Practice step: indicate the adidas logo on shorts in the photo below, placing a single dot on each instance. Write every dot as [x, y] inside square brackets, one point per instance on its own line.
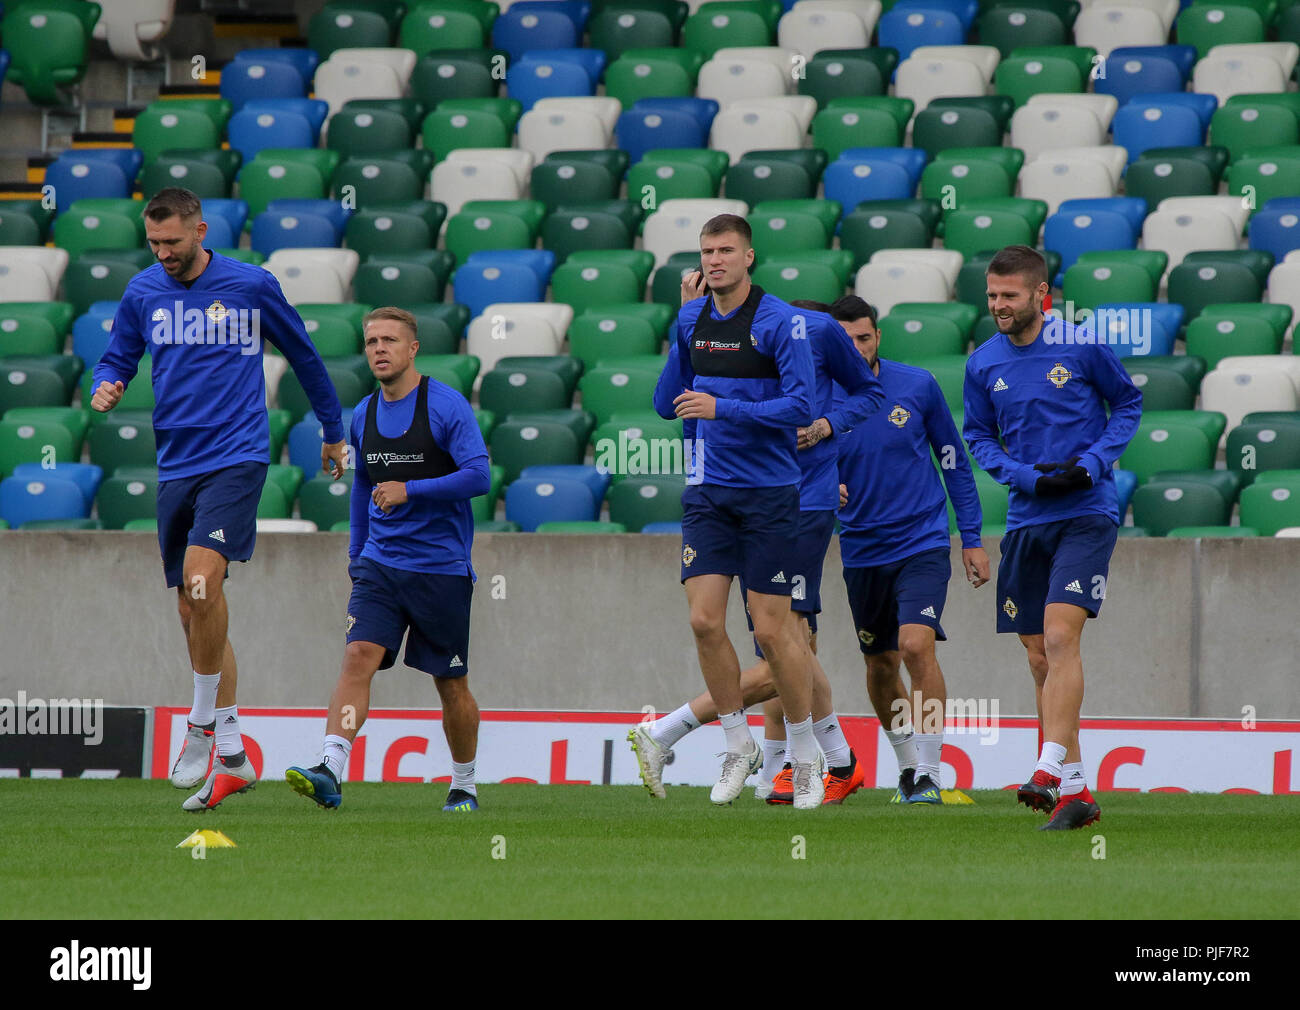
[928, 612]
[1074, 587]
[218, 535]
[455, 662]
[779, 577]
[999, 386]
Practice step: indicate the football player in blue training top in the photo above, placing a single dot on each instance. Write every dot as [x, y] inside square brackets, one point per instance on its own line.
[835, 361]
[202, 317]
[895, 548]
[746, 372]
[420, 458]
[1043, 387]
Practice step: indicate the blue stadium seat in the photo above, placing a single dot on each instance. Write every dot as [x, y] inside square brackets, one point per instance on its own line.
[23, 500]
[305, 440]
[311, 109]
[1276, 229]
[597, 482]
[1167, 317]
[274, 230]
[528, 80]
[641, 131]
[102, 310]
[1175, 126]
[220, 235]
[300, 58]
[4, 63]
[233, 212]
[1183, 57]
[905, 28]
[913, 159]
[966, 11]
[591, 60]
[1072, 234]
[332, 210]
[851, 182]
[251, 131]
[664, 528]
[1133, 208]
[530, 502]
[539, 261]
[479, 284]
[1126, 483]
[577, 11]
[516, 31]
[87, 476]
[77, 178]
[243, 80]
[703, 109]
[129, 159]
[1145, 332]
[1129, 76]
[90, 338]
[1203, 105]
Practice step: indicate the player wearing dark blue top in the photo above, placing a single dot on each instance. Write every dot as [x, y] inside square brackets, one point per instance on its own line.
[747, 374]
[1042, 388]
[895, 548]
[420, 458]
[835, 361]
[203, 318]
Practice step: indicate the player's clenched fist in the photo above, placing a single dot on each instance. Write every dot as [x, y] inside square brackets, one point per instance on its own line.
[699, 406]
[107, 396]
[389, 495]
[694, 286]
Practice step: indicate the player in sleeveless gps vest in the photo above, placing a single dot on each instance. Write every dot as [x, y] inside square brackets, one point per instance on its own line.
[1042, 387]
[203, 317]
[836, 361]
[420, 458]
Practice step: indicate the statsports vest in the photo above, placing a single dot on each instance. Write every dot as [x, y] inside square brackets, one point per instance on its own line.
[726, 347]
[413, 455]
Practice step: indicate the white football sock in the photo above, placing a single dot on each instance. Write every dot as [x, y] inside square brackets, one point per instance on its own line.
[773, 759]
[672, 727]
[1074, 779]
[1052, 758]
[801, 741]
[739, 740]
[462, 777]
[903, 740]
[229, 741]
[335, 753]
[929, 748]
[832, 742]
[203, 711]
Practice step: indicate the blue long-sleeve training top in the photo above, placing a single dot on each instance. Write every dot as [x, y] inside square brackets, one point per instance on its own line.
[1047, 402]
[206, 346]
[898, 506]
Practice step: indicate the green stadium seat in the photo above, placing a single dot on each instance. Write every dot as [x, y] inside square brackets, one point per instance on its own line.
[630, 80]
[580, 526]
[1160, 506]
[1207, 25]
[366, 180]
[1163, 387]
[1155, 179]
[1164, 444]
[48, 44]
[444, 132]
[640, 261]
[79, 230]
[627, 431]
[588, 286]
[1277, 315]
[1033, 211]
[170, 126]
[325, 501]
[431, 26]
[273, 504]
[1022, 77]
[842, 73]
[122, 499]
[393, 280]
[789, 281]
[28, 336]
[652, 182]
[463, 368]
[607, 391]
[268, 178]
[835, 129]
[520, 443]
[34, 441]
[615, 29]
[972, 231]
[364, 131]
[1259, 179]
[346, 26]
[1216, 339]
[1246, 126]
[1211, 423]
[1269, 507]
[1009, 27]
[202, 178]
[1201, 532]
[1227, 483]
[593, 337]
[950, 372]
[484, 507]
[914, 337]
[436, 319]
[840, 261]
[74, 420]
[1254, 447]
[1095, 283]
[577, 420]
[506, 389]
[456, 73]
[348, 384]
[375, 232]
[638, 500]
[574, 227]
[1153, 261]
[484, 229]
[780, 231]
[755, 179]
[716, 26]
[1194, 284]
[956, 182]
[19, 229]
[122, 441]
[559, 181]
[25, 386]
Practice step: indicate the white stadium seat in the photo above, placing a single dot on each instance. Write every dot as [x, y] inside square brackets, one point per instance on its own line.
[31, 273]
[363, 73]
[781, 58]
[1104, 26]
[802, 107]
[676, 224]
[947, 261]
[503, 331]
[1287, 364]
[314, 275]
[1288, 531]
[809, 31]
[1166, 10]
[984, 57]
[885, 285]
[1230, 207]
[1236, 392]
[519, 161]
[1041, 127]
[1179, 232]
[456, 182]
[1055, 179]
[1284, 286]
[273, 368]
[923, 79]
[866, 11]
[542, 132]
[726, 80]
[1284, 54]
[1114, 159]
[607, 110]
[1103, 107]
[1225, 76]
[132, 27]
[739, 131]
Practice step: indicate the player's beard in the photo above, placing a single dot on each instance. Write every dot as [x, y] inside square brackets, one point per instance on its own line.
[1021, 321]
[187, 264]
[394, 376]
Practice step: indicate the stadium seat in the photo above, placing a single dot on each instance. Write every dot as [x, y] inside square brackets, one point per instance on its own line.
[276, 230]
[1160, 445]
[1039, 127]
[1271, 507]
[48, 47]
[1224, 76]
[1207, 25]
[249, 79]
[1253, 448]
[675, 226]
[350, 73]
[610, 390]
[865, 232]
[642, 131]
[519, 444]
[28, 439]
[1163, 387]
[1162, 505]
[590, 286]
[1238, 391]
[1198, 282]
[532, 501]
[1132, 73]
[42, 497]
[314, 275]
[743, 128]
[884, 285]
[77, 177]
[639, 501]
[1073, 234]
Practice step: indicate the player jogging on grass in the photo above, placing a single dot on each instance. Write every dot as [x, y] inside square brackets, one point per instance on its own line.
[747, 372]
[420, 458]
[203, 318]
[835, 360]
[1043, 388]
[895, 548]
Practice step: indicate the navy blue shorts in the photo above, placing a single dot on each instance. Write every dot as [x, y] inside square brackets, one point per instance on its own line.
[1067, 561]
[815, 529]
[884, 597]
[217, 510]
[388, 602]
[752, 532]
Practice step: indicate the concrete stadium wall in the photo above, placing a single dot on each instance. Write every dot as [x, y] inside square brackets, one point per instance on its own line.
[567, 622]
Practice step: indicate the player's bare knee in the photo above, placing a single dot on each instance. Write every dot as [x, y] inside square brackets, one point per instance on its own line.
[1060, 642]
[915, 647]
[708, 625]
[880, 671]
[183, 609]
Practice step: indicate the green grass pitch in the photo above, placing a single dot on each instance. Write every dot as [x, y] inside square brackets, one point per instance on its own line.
[106, 849]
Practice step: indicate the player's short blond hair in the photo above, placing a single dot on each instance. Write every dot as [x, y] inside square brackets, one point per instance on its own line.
[394, 313]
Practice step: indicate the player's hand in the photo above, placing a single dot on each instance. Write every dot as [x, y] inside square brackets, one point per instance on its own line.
[844, 495]
[389, 495]
[976, 562]
[1070, 478]
[333, 458]
[693, 286]
[699, 406]
[107, 396]
[814, 433]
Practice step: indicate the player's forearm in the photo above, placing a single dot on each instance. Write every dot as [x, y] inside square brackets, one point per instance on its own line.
[359, 514]
[471, 481]
[783, 412]
[1102, 455]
